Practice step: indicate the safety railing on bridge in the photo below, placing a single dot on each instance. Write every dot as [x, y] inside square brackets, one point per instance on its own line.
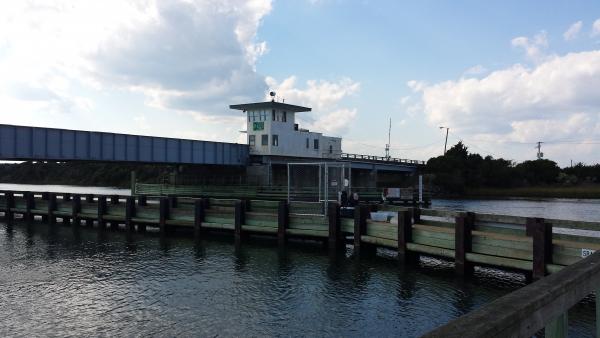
[372, 158]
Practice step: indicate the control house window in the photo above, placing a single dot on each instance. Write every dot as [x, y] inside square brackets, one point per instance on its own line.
[307, 143]
[284, 117]
[275, 139]
[274, 114]
[316, 144]
[252, 140]
[263, 115]
[265, 140]
[330, 149]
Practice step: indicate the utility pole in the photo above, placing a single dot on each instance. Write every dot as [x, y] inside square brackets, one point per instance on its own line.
[445, 143]
[539, 150]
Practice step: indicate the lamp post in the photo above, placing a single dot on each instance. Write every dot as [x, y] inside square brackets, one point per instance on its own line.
[445, 143]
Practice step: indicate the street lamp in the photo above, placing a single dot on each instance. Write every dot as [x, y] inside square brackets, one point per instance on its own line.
[445, 143]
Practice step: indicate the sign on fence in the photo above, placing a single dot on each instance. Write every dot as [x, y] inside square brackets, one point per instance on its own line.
[586, 252]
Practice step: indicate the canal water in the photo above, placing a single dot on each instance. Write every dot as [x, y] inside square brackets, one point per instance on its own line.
[55, 281]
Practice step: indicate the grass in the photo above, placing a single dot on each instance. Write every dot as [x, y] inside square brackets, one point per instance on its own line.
[584, 192]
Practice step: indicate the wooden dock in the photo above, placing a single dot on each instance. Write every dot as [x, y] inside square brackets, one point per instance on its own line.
[532, 245]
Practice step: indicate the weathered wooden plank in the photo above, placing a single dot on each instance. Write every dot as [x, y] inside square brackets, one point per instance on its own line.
[431, 250]
[440, 243]
[311, 233]
[500, 261]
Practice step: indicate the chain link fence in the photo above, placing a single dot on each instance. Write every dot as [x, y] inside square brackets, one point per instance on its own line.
[311, 186]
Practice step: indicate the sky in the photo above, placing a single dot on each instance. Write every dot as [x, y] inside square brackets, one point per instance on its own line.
[501, 75]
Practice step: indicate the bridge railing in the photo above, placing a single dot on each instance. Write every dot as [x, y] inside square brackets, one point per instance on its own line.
[372, 158]
[543, 304]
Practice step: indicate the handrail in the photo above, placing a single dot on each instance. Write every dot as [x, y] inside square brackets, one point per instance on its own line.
[524, 312]
[347, 156]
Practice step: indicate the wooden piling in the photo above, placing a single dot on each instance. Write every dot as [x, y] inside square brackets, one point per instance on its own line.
[199, 214]
[238, 219]
[66, 196]
[335, 239]
[76, 210]
[51, 208]
[142, 200]
[129, 213]
[416, 215]
[463, 243]
[361, 213]
[283, 221]
[101, 212]
[29, 205]
[542, 246]
[10, 204]
[163, 209]
[89, 198]
[173, 201]
[45, 197]
[114, 199]
[405, 236]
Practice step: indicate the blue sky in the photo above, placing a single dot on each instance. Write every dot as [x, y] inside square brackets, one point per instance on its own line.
[502, 75]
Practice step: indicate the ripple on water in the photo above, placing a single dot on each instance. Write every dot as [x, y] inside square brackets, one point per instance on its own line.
[58, 283]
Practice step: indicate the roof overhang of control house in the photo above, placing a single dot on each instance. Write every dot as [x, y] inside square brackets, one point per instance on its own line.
[270, 105]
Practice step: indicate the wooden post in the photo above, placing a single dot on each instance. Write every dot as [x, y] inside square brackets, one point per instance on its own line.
[247, 204]
[542, 246]
[66, 197]
[29, 205]
[173, 201]
[10, 203]
[101, 211]
[89, 198]
[45, 197]
[335, 233]
[129, 213]
[114, 199]
[404, 237]
[51, 208]
[416, 215]
[142, 200]
[282, 222]
[75, 210]
[360, 227]
[164, 215]
[597, 312]
[463, 242]
[199, 214]
[238, 220]
[558, 328]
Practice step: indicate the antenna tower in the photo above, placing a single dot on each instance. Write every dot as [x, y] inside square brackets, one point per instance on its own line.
[540, 155]
[387, 146]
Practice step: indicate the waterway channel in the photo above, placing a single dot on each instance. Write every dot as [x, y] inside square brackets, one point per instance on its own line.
[60, 282]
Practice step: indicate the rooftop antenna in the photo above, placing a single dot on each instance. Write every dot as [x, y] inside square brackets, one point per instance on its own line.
[272, 94]
[387, 146]
[540, 155]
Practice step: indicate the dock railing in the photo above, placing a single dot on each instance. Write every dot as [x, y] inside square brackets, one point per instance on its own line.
[543, 304]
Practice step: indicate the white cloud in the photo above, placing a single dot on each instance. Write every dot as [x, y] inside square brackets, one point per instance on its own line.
[534, 47]
[556, 99]
[596, 28]
[183, 55]
[573, 31]
[324, 97]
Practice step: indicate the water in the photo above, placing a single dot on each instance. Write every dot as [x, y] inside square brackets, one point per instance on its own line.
[55, 281]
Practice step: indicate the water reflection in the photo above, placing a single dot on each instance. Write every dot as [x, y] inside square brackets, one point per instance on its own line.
[87, 282]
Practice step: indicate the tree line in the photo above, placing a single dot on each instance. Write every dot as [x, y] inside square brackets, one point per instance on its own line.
[459, 170]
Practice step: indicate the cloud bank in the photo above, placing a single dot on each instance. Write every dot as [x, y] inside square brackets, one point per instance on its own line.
[553, 100]
[181, 55]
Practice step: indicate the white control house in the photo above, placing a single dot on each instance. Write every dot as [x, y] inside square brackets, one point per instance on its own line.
[273, 131]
